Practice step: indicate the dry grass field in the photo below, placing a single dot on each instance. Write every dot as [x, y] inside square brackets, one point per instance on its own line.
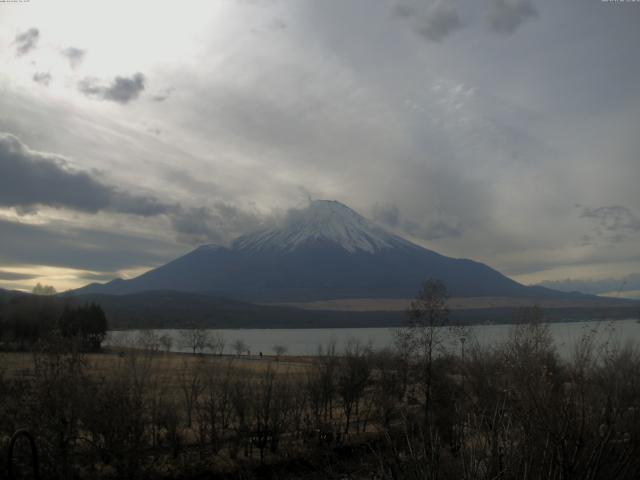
[454, 303]
[170, 367]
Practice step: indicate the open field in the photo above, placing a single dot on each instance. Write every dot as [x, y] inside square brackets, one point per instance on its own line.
[167, 365]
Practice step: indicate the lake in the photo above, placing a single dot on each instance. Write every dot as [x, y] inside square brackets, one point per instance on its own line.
[307, 341]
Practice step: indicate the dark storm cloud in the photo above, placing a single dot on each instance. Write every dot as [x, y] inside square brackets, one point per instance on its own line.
[82, 248]
[43, 78]
[122, 90]
[194, 226]
[12, 276]
[435, 22]
[145, 206]
[612, 223]
[26, 41]
[29, 178]
[506, 16]
[219, 223]
[74, 55]
[595, 286]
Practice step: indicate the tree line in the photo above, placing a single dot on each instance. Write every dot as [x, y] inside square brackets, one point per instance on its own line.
[26, 320]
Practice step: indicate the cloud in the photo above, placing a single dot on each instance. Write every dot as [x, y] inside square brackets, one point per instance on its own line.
[141, 205]
[43, 78]
[29, 178]
[84, 248]
[506, 16]
[443, 227]
[436, 230]
[386, 214]
[435, 22]
[611, 222]
[122, 90]
[26, 41]
[442, 19]
[403, 10]
[258, 133]
[11, 276]
[278, 24]
[74, 55]
[162, 95]
[218, 224]
[194, 226]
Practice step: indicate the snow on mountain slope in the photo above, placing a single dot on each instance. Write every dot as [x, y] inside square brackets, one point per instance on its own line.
[325, 251]
[323, 221]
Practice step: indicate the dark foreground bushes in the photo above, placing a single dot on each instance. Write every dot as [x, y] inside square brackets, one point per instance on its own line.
[418, 411]
[517, 411]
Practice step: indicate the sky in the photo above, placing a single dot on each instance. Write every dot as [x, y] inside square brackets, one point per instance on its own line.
[505, 131]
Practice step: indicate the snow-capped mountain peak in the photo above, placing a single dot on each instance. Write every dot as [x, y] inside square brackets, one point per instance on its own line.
[321, 252]
[322, 221]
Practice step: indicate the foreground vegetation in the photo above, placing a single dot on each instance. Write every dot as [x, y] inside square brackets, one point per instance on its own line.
[515, 411]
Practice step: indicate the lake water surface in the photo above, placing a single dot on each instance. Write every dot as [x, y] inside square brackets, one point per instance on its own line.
[308, 341]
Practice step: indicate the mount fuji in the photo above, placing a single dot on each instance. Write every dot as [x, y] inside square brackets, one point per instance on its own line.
[325, 251]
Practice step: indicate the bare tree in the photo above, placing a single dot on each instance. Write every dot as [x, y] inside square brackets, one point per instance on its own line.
[239, 346]
[279, 350]
[191, 384]
[118, 415]
[148, 340]
[271, 411]
[321, 385]
[215, 411]
[242, 402]
[423, 335]
[420, 339]
[217, 343]
[389, 386]
[353, 378]
[58, 387]
[166, 342]
[196, 339]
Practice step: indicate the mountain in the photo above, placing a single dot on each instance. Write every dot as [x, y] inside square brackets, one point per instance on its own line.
[7, 294]
[172, 309]
[326, 251]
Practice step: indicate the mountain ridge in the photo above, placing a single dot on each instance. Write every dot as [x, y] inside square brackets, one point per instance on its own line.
[171, 309]
[323, 252]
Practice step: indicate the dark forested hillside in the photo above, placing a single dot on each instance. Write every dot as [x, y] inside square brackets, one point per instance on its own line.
[170, 309]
